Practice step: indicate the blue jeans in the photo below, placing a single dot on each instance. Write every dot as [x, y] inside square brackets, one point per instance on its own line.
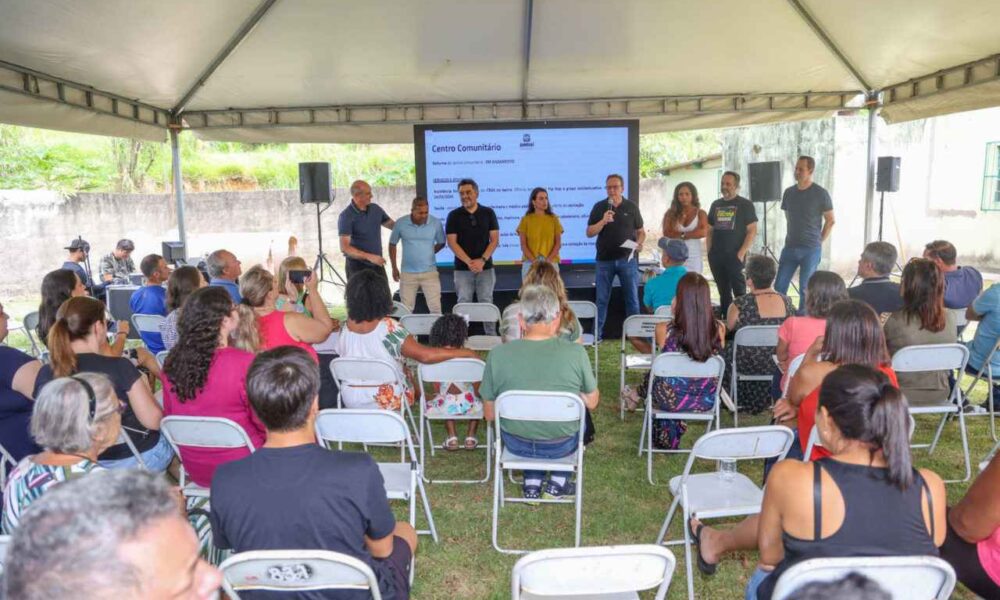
[479, 285]
[539, 449]
[628, 277]
[756, 578]
[793, 258]
[157, 458]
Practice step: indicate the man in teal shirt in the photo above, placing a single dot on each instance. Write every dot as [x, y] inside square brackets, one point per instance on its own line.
[423, 237]
[660, 290]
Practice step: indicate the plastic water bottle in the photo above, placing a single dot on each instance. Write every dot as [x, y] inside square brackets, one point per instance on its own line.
[727, 470]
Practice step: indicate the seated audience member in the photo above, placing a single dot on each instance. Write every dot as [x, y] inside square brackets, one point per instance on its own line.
[961, 284]
[372, 333]
[118, 265]
[543, 273]
[986, 310]
[539, 361]
[75, 347]
[182, 283]
[224, 270]
[259, 289]
[972, 547]
[77, 251]
[75, 419]
[17, 384]
[761, 306]
[869, 500]
[876, 288]
[339, 497]
[204, 377]
[660, 290]
[797, 333]
[853, 586]
[151, 299]
[457, 398]
[922, 320]
[695, 332]
[112, 534]
[291, 296]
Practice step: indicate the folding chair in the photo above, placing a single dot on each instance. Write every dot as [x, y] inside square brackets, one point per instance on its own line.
[4, 544]
[161, 357]
[548, 407]
[815, 441]
[399, 310]
[6, 463]
[989, 457]
[910, 577]
[664, 311]
[296, 571]
[939, 357]
[480, 312]
[753, 336]
[987, 368]
[678, 364]
[793, 368]
[591, 572]
[369, 373]
[637, 326]
[455, 370]
[587, 310]
[961, 321]
[366, 426]
[123, 438]
[709, 495]
[202, 432]
[419, 324]
[30, 328]
[147, 323]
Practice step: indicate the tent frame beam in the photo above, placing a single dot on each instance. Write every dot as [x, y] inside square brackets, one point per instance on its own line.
[830, 44]
[970, 74]
[529, 13]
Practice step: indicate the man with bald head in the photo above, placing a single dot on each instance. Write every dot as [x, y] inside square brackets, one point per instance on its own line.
[360, 234]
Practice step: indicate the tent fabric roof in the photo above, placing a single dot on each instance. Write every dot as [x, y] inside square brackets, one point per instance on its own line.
[342, 70]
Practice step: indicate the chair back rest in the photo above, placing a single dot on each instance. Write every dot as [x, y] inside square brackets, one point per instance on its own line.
[757, 336]
[930, 357]
[642, 326]
[793, 366]
[664, 311]
[363, 371]
[147, 323]
[454, 370]
[361, 426]
[743, 443]
[161, 357]
[399, 310]
[204, 432]
[959, 313]
[477, 312]
[583, 309]
[296, 571]
[576, 572]
[910, 577]
[552, 407]
[419, 324]
[31, 322]
[678, 364]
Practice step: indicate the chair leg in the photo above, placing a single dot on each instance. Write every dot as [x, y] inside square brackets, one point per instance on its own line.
[579, 502]
[649, 446]
[427, 509]
[621, 387]
[937, 434]
[687, 556]
[965, 446]
[666, 521]
[642, 434]
[497, 492]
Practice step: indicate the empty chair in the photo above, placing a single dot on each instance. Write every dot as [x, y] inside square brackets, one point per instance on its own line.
[480, 312]
[636, 326]
[296, 571]
[418, 324]
[202, 432]
[30, 327]
[753, 336]
[909, 577]
[587, 310]
[456, 370]
[362, 381]
[592, 572]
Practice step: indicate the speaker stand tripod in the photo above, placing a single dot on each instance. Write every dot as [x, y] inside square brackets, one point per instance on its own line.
[322, 262]
[767, 250]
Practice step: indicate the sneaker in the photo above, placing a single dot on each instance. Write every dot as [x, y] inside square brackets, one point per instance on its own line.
[975, 409]
[554, 491]
[531, 492]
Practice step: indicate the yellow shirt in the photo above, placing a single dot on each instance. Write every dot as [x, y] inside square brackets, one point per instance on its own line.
[540, 232]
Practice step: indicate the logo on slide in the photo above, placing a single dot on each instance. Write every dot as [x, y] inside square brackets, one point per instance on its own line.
[526, 141]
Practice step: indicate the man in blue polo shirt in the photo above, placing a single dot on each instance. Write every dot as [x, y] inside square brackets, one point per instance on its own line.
[151, 299]
[224, 271]
[660, 290]
[423, 237]
[360, 234]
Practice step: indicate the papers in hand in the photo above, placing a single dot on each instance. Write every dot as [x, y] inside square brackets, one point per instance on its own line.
[631, 245]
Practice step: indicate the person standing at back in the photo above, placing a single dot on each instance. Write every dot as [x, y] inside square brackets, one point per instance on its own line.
[473, 235]
[423, 237]
[613, 221]
[686, 221]
[732, 223]
[809, 215]
[540, 232]
[359, 227]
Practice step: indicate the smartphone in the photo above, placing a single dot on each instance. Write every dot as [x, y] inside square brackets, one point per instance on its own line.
[298, 275]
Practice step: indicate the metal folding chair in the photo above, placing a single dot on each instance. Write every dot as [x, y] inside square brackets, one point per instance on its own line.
[202, 432]
[296, 571]
[30, 330]
[591, 572]
[636, 326]
[939, 357]
[399, 310]
[369, 373]
[419, 324]
[753, 336]
[161, 357]
[815, 441]
[910, 577]
[549, 407]
[664, 311]
[587, 310]
[986, 369]
[480, 312]
[712, 495]
[455, 370]
[147, 323]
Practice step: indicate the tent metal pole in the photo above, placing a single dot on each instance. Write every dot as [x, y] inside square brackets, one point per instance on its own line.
[873, 107]
[175, 154]
[529, 13]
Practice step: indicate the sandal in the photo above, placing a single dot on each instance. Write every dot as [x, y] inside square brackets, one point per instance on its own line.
[704, 566]
[631, 398]
[450, 444]
[471, 443]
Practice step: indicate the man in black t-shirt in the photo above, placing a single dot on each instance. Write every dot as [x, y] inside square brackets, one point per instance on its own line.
[473, 234]
[876, 288]
[293, 494]
[733, 226]
[615, 220]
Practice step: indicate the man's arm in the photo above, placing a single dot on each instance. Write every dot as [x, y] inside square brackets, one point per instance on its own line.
[494, 242]
[747, 241]
[828, 222]
[358, 254]
[640, 237]
[457, 250]
[392, 259]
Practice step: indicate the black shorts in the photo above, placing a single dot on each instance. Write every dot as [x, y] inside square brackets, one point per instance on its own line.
[398, 563]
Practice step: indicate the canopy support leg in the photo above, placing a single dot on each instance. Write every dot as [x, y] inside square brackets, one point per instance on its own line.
[178, 182]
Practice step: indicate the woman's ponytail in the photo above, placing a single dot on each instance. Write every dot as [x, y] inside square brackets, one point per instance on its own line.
[890, 431]
[74, 321]
[61, 354]
[247, 335]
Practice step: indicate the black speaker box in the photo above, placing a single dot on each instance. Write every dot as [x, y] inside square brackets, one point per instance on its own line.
[887, 176]
[314, 183]
[765, 181]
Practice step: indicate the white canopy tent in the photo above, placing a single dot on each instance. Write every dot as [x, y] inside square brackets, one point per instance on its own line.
[351, 71]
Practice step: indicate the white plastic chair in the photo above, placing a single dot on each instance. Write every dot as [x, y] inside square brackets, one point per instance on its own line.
[664, 311]
[592, 572]
[419, 324]
[399, 310]
[637, 326]
[909, 577]
[549, 407]
[709, 495]
[30, 330]
[403, 480]
[202, 432]
[752, 336]
[4, 544]
[986, 369]
[369, 373]
[678, 364]
[296, 571]
[480, 312]
[587, 310]
[455, 370]
[939, 357]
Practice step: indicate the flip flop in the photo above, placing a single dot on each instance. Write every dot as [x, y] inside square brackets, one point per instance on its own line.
[450, 444]
[471, 443]
[704, 566]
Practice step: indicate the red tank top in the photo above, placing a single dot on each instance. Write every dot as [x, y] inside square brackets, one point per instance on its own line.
[273, 334]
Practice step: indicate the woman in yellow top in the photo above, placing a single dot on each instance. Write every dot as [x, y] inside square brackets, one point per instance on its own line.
[540, 232]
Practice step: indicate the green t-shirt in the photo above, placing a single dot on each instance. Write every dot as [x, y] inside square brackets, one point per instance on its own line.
[552, 365]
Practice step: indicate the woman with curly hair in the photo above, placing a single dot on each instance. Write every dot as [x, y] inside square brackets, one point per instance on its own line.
[204, 376]
[686, 221]
[182, 283]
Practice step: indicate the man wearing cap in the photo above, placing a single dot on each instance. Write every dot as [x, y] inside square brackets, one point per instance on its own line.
[661, 289]
[117, 266]
[78, 250]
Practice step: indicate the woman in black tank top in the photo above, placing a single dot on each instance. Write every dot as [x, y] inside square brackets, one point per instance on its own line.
[864, 500]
